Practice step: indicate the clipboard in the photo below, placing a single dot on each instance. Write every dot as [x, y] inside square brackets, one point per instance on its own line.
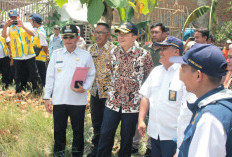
[79, 75]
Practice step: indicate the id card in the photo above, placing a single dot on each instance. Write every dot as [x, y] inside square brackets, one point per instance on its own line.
[172, 95]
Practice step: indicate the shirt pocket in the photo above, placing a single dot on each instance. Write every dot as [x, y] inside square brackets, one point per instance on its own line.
[175, 91]
[59, 67]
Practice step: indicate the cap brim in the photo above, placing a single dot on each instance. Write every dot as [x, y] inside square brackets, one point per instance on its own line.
[177, 59]
[68, 34]
[121, 30]
[164, 43]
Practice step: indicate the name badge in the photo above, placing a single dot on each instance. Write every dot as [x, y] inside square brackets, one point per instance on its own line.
[59, 61]
[172, 95]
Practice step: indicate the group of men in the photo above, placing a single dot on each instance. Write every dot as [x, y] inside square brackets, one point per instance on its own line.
[126, 82]
[125, 86]
[28, 50]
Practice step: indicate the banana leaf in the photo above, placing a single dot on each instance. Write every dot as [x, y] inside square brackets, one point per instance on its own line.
[194, 15]
[212, 15]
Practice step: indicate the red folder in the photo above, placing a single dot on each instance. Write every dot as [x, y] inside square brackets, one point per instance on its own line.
[79, 75]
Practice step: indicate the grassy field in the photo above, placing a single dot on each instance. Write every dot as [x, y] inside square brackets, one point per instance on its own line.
[26, 129]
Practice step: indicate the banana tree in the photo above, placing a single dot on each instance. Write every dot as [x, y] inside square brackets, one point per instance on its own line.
[201, 11]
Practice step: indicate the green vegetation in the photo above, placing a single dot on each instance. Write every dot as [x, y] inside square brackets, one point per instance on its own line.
[26, 129]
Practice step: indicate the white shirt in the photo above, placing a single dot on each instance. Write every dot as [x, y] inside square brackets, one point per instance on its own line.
[163, 113]
[209, 139]
[24, 57]
[81, 43]
[184, 117]
[42, 36]
[2, 55]
[59, 76]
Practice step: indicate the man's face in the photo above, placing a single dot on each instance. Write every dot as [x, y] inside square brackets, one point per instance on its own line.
[126, 40]
[14, 17]
[56, 31]
[157, 35]
[199, 38]
[70, 41]
[165, 53]
[229, 60]
[187, 75]
[101, 35]
[227, 45]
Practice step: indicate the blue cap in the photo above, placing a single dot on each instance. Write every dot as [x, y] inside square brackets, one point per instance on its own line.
[172, 41]
[30, 17]
[12, 13]
[207, 58]
[37, 18]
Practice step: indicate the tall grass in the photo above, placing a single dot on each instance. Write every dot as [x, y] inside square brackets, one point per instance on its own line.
[26, 129]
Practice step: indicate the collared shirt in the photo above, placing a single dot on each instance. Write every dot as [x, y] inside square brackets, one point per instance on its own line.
[154, 54]
[59, 76]
[165, 92]
[101, 58]
[55, 43]
[129, 70]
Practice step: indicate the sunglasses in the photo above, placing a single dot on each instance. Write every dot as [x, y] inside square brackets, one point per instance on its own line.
[69, 36]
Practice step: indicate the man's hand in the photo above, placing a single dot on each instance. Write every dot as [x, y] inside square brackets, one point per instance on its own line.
[48, 57]
[8, 23]
[20, 23]
[142, 128]
[48, 106]
[79, 90]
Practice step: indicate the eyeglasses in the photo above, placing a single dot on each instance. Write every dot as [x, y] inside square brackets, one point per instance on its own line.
[69, 36]
[100, 33]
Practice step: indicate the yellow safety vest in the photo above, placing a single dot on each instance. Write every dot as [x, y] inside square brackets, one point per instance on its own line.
[36, 42]
[4, 46]
[20, 42]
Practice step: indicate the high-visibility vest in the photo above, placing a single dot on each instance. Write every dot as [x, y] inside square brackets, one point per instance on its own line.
[20, 42]
[4, 46]
[36, 42]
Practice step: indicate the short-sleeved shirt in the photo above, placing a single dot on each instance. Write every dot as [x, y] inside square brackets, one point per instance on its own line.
[165, 92]
[129, 70]
[24, 57]
[42, 36]
[101, 58]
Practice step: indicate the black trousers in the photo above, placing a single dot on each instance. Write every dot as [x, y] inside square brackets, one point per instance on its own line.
[60, 116]
[97, 107]
[21, 75]
[42, 71]
[5, 70]
[109, 126]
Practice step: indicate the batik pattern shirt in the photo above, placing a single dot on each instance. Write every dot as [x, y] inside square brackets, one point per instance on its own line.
[129, 70]
[101, 58]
